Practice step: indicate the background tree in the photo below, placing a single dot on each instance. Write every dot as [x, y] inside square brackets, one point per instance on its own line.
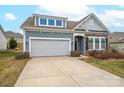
[12, 43]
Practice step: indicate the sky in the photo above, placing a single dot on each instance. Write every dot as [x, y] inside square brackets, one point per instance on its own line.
[12, 16]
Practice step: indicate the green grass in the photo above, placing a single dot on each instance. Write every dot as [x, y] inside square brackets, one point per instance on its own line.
[10, 68]
[7, 53]
[112, 65]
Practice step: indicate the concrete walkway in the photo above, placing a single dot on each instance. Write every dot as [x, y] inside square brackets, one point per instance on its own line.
[65, 72]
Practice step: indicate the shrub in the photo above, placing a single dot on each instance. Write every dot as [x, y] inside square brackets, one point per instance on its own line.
[22, 55]
[12, 43]
[92, 53]
[75, 54]
[17, 49]
[109, 54]
[111, 50]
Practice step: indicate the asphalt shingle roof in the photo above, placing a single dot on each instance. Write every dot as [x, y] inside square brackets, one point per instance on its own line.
[116, 37]
[30, 23]
[10, 34]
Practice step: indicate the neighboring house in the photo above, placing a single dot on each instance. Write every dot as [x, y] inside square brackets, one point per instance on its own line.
[46, 35]
[18, 37]
[116, 41]
[3, 40]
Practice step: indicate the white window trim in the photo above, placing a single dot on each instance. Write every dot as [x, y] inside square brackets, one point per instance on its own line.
[65, 24]
[45, 38]
[41, 24]
[100, 47]
[62, 23]
[47, 20]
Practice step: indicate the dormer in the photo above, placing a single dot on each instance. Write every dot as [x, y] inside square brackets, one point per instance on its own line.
[50, 21]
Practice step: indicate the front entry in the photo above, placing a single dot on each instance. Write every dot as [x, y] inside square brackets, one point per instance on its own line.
[79, 44]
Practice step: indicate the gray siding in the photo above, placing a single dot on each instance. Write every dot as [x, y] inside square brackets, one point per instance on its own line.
[97, 25]
[49, 35]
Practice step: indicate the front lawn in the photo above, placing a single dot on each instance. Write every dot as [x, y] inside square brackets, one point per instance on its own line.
[7, 53]
[10, 68]
[115, 66]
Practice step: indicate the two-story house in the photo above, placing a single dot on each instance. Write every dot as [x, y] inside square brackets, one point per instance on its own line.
[46, 35]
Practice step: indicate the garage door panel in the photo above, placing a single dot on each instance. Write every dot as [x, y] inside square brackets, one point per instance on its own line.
[43, 47]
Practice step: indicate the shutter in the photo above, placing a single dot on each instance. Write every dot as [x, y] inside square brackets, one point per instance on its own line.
[86, 43]
[106, 43]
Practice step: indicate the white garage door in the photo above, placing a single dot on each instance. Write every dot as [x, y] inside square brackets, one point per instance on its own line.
[49, 47]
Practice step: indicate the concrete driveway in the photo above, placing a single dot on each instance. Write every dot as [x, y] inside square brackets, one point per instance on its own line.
[65, 72]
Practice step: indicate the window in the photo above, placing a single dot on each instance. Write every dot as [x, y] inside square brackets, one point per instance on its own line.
[97, 43]
[43, 21]
[51, 22]
[91, 22]
[58, 22]
[90, 43]
[103, 43]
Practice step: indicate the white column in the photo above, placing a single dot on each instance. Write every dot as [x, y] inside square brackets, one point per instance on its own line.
[24, 45]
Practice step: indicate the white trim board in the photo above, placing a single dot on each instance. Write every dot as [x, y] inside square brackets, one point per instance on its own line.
[45, 38]
[24, 41]
[79, 34]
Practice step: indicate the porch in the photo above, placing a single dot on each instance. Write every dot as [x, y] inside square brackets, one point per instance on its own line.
[79, 44]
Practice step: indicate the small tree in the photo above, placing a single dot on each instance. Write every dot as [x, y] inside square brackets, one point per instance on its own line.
[12, 43]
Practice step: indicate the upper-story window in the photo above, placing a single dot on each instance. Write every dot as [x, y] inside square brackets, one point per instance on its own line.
[51, 22]
[43, 21]
[58, 22]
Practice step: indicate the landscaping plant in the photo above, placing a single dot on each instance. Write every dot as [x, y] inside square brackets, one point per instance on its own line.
[12, 43]
[108, 54]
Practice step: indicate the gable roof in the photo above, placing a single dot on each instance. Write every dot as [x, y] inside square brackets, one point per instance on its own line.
[116, 37]
[71, 25]
[88, 16]
[10, 34]
[30, 23]
[1, 29]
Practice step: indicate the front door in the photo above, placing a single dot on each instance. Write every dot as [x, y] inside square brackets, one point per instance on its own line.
[79, 44]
